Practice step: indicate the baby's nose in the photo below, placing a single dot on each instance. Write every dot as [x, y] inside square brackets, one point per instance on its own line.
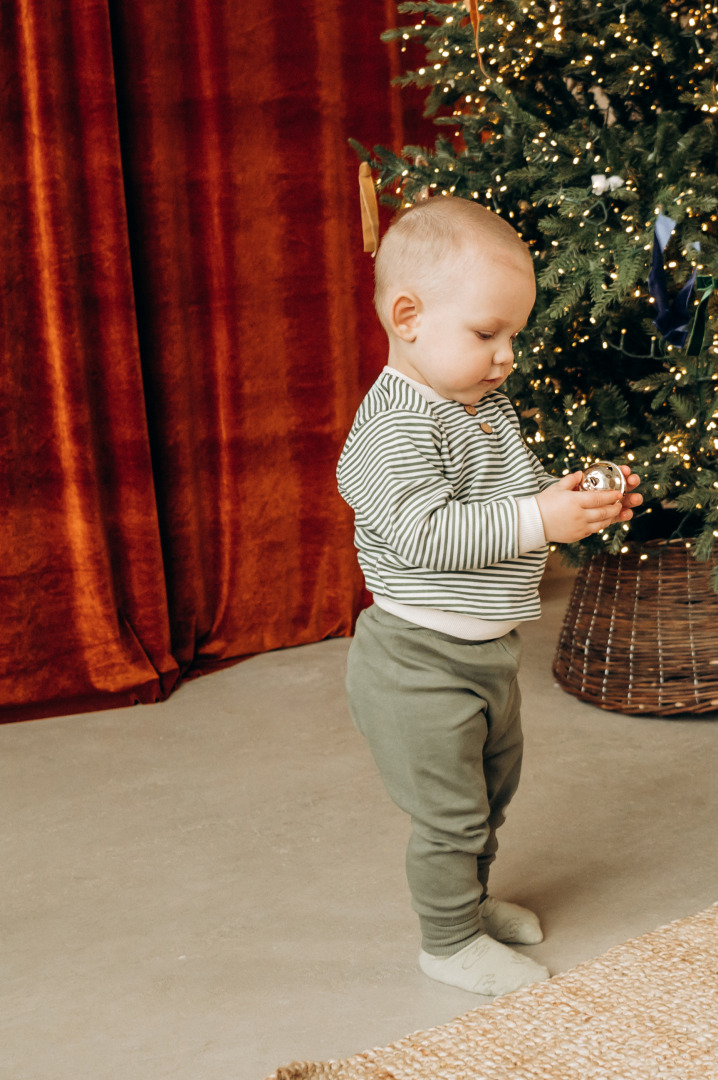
[504, 354]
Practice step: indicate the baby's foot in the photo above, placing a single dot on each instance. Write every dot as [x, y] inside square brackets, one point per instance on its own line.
[509, 922]
[484, 966]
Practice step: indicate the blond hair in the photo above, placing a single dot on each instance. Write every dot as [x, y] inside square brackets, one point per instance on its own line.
[436, 238]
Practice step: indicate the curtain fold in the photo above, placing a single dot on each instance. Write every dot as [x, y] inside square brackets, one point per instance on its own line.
[187, 331]
[83, 620]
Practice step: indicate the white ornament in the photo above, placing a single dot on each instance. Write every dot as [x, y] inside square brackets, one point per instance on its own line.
[601, 183]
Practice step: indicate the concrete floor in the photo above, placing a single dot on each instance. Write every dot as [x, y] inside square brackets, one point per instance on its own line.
[211, 887]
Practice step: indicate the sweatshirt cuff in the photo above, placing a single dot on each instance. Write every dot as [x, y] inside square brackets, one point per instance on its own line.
[531, 534]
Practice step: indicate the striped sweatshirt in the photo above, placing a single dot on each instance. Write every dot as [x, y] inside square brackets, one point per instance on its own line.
[445, 518]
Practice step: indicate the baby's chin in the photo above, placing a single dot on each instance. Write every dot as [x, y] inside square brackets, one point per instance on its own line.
[475, 394]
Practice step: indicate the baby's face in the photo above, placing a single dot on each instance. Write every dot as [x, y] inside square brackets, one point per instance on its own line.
[464, 339]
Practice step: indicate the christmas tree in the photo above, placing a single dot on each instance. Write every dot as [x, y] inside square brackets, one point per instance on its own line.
[592, 127]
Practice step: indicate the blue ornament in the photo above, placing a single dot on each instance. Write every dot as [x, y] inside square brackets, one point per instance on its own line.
[673, 317]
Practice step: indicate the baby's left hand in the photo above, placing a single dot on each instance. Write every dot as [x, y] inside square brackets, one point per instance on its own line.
[629, 499]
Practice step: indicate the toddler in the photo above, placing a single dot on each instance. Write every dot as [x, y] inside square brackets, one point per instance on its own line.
[453, 517]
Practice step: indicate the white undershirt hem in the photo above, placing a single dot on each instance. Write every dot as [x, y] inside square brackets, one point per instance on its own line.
[454, 623]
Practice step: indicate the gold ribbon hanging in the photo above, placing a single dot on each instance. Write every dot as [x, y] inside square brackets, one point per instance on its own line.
[369, 209]
[472, 6]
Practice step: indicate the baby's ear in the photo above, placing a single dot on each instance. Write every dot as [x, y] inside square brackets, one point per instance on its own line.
[405, 316]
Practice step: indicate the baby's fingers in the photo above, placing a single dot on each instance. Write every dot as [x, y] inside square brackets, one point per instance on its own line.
[598, 500]
[603, 518]
[604, 515]
[594, 499]
[631, 479]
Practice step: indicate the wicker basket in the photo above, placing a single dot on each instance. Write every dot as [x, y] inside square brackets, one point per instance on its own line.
[641, 633]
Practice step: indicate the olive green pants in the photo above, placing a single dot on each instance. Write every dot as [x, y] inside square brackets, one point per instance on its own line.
[442, 720]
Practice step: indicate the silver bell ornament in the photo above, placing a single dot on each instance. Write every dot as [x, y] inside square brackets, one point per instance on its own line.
[603, 476]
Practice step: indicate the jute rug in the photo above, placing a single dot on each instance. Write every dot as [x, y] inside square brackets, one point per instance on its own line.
[646, 1010]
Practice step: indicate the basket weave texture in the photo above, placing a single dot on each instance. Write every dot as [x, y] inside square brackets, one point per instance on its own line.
[641, 633]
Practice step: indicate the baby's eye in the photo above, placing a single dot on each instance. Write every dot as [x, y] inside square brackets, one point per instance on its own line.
[484, 336]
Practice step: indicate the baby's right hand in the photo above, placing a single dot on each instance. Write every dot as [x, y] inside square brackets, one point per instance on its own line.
[569, 515]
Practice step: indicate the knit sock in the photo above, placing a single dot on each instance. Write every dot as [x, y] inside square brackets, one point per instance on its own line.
[509, 922]
[484, 966]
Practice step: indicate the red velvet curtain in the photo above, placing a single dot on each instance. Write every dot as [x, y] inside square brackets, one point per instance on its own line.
[186, 332]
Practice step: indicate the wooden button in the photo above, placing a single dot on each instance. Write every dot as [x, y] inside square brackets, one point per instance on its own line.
[471, 410]
[487, 428]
